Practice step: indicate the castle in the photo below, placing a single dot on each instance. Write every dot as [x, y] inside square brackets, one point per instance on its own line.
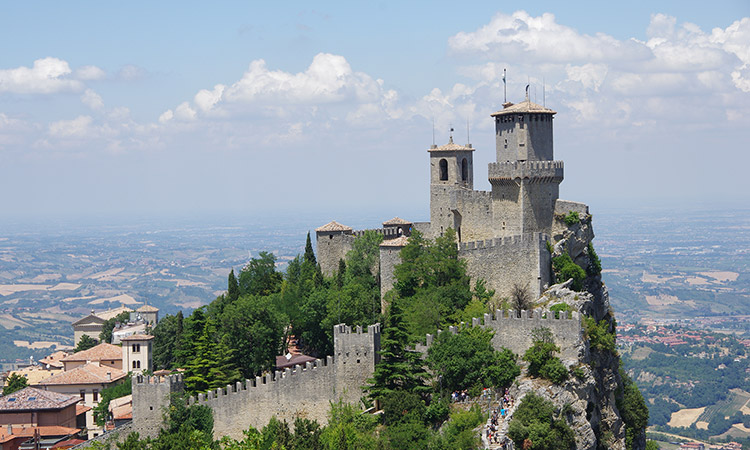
[502, 233]
[503, 236]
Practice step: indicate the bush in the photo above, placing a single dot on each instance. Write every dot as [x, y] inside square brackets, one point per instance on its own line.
[600, 338]
[534, 426]
[633, 408]
[595, 264]
[572, 218]
[560, 307]
[543, 363]
[564, 269]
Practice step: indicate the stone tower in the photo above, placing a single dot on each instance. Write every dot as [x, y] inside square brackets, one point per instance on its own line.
[451, 170]
[525, 179]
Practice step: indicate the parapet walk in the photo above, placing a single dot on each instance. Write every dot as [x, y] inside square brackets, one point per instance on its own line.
[507, 241]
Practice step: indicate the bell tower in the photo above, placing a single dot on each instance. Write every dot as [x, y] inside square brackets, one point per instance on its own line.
[451, 170]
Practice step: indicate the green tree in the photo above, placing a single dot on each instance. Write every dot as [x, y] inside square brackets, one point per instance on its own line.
[192, 330]
[259, 276]
[309, 253]
[467, 359]
[213, 365]
[535, 427]
[167, 335]
[565, 269]
[233, 287]
[15, 382]
[254, 331]
[121, 389]
[634, 411]
[106, 334]
[86, 342]
[542, 360]
[399, 369]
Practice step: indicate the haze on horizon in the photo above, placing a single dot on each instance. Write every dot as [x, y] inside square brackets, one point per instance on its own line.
[246, 109]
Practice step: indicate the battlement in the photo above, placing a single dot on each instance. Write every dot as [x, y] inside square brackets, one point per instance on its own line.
[346, 329]
[514, 330]
[515, 240]
[534, 171]
[172, 380]
[387, 233]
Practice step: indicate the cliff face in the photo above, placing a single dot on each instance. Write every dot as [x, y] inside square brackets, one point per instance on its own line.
[589, 399]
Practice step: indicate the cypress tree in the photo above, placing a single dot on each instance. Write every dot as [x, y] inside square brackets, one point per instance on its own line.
[309, 253]
[233, 288]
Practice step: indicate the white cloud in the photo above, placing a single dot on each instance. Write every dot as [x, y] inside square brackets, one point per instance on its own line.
[90, 73]
[92, 100]
[46, 76]
[79, 127]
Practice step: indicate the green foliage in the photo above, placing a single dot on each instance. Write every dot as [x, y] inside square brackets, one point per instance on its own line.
[233, 287]
[106, 334]
[86, 342]
[560, 307]
[213, 365]
[438, 411]
[633, 410]
[467, 359]
[348, 429]
[565, 269]
[253, 330]
[259, 276]
[572, 218]
[434, 280]
[167, 334]
[535, 427]
[599, 334]
[399, 369]
[595, 264]
[402, 407]
[121, 389]
[14, 383]
[543, 363]
[652, 445]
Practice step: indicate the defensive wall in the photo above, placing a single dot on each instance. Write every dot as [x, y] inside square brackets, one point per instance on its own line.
[306, 391]
[503, 262]
[514, 331]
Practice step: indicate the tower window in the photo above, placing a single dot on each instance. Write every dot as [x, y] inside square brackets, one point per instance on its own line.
[443, 170]
[464, 170]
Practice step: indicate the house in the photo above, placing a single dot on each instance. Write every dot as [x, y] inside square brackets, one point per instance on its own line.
[104, 354]
[31, 413]
[86, 383]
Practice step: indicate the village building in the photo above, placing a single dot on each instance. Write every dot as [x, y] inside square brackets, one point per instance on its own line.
[46, 418]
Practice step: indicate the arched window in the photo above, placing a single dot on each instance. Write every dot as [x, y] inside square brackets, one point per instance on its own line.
[464, 170]
[443, 170]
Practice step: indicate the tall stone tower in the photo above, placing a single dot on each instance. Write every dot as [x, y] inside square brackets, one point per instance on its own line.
[525, 179]
[451, 170]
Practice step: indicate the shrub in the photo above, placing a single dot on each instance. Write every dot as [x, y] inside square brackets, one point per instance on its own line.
[595, 264]
[560, 307]
[535, 427]
[600, 338]
[564, 269]
[572, 218]
[543, 363]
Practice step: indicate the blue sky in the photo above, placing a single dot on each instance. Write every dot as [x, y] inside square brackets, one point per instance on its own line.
[250, 108]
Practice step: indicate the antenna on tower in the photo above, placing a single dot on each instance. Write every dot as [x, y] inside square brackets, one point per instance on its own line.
[528, 84]
[433, 131]
[450, 138]
[505, 90]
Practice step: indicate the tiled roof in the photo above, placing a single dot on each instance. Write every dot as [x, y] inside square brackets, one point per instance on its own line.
[524, 107]
[86, 374]
[82, 409]
[147, 308]
[35, 374]
[299, 359]
[334, 226]
[396, 221]
[30, 398]
[27, 432]
[398, 242]
[137, 337]
[91, 318]
[55, 359]
[68, 443]
[100, 352]
[450, 146]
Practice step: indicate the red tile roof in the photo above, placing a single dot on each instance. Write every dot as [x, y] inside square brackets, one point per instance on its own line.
[86, 374]
[30, 398]
[27, 432]
[137, 337]
[100, 352]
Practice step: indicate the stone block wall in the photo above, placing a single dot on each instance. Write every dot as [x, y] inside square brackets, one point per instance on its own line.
[501, 262]
[151, 396]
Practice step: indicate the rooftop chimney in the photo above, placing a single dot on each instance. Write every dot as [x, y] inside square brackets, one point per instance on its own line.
[10, 429]
[109, 376]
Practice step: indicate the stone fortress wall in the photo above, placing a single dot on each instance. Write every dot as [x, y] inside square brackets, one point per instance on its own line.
[306, 391]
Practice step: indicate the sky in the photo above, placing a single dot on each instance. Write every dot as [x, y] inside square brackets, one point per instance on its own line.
[261, 108]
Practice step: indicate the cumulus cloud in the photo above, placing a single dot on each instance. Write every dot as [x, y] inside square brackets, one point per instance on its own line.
[92, 100]
[328, 81]
[46, 76]
[90, 73]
